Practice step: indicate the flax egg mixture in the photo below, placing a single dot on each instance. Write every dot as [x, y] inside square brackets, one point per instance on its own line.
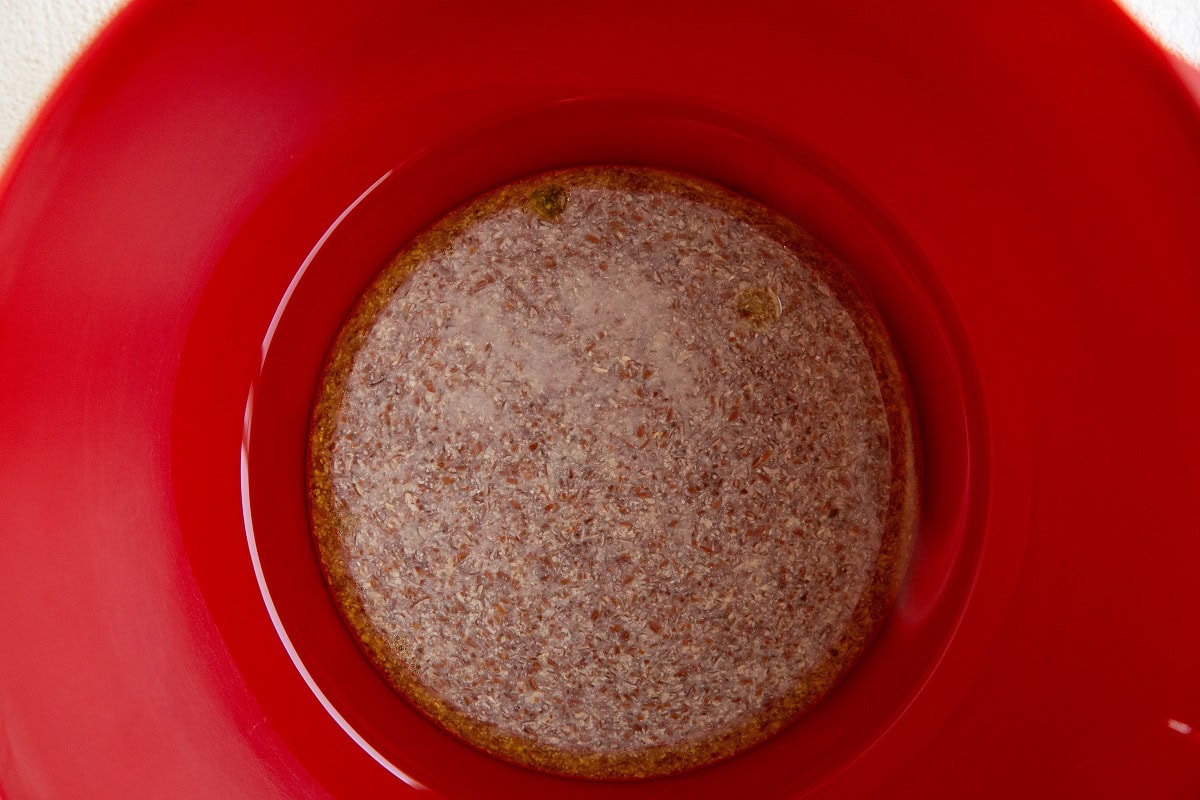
[612, 473]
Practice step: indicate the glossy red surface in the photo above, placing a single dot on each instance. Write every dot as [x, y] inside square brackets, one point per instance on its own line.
[1017, 187]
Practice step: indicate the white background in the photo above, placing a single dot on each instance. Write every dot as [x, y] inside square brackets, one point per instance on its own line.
[39, 38]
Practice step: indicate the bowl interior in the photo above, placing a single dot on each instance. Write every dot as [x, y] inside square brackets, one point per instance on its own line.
[409, 196]
[1015, 185]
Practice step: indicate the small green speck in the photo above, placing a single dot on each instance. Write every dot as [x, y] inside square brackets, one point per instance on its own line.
[549, 201]
[759, 306]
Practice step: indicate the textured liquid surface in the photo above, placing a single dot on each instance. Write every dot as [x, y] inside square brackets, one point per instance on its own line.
[609, 474]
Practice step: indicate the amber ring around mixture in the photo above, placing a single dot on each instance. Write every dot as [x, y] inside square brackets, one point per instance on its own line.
[612, 473]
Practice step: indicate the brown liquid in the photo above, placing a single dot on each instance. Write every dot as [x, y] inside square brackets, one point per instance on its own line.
[611, 473]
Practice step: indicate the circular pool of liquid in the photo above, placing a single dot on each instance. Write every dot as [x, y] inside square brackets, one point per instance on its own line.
[613, 472]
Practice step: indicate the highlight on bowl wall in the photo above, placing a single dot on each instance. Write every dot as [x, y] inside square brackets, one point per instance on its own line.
[601, 400]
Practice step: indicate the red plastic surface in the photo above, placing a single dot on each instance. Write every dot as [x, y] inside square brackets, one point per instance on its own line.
[1017, 185]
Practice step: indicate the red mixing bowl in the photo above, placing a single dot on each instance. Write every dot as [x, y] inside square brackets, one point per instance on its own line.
[1016, 185]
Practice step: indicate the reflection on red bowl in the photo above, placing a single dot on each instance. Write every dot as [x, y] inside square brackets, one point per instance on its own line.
[1018, 188]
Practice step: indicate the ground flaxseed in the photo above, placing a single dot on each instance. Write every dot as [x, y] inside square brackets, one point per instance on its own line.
[612, 473]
